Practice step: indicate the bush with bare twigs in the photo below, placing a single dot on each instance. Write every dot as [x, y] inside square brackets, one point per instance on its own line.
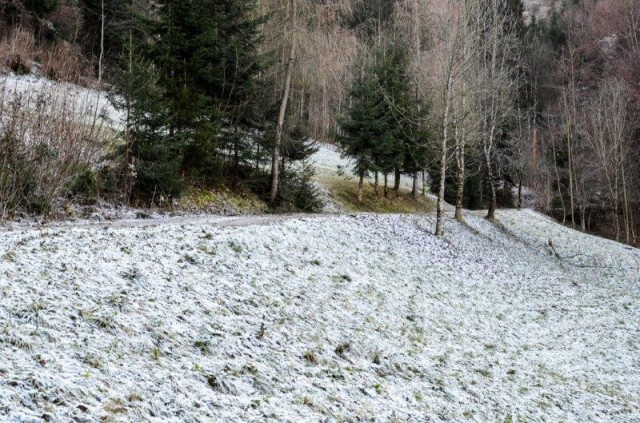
[64, 62]
[18, 51]
[48, 139]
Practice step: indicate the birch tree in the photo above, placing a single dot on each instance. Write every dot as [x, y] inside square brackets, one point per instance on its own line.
[498, 81]
[290, 24]
[450, 32]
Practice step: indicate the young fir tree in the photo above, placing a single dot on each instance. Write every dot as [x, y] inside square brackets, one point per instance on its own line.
[180, 51]
[225, 69]
[400, 151]
[365, 127]
[151, 160]
[382, 130]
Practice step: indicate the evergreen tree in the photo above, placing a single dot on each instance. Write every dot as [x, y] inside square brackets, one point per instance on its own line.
[233, 68]
[364, 128]
[382, 131]
[40, 7]
[179, 51]
[201, 67]
[151, 160]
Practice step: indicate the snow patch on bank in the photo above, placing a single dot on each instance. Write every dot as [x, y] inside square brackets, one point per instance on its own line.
[88, 102]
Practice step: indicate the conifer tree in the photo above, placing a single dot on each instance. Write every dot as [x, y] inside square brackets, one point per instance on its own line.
[201, 65]
[151, 161]
[382, 131]
[364, 128]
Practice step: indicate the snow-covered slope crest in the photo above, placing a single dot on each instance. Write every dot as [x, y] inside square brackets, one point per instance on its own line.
[88, 103]
[353, 318]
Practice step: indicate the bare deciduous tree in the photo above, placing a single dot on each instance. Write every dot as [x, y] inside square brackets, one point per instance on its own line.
[275, 158]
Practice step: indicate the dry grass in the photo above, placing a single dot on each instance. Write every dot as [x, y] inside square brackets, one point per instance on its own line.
[22, 54]
[346, 192]
[18, 51]
[64, 62]
[221, 201]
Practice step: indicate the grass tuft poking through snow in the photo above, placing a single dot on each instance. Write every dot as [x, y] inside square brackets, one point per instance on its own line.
[360, 318]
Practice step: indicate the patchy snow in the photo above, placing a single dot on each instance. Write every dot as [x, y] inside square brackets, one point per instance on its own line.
[540, 9]
[328, 161]
[353, 318]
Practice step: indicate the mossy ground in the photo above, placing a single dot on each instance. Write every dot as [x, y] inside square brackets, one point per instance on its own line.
[222, 201]
[346, 192]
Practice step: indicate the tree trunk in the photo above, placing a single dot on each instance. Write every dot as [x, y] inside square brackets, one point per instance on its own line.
[493, 201]
[460, 164]
[360, 187]
[414, 189]
[275, 158]
[460, 182]
[443, 160]
[488, 143]
[129, 165]
[625, 199]
[101, 57]
[257, 156]
[386, 185]
[396, 182]
[376, 185]
[520, 193]
[325, 110]
[557, 172]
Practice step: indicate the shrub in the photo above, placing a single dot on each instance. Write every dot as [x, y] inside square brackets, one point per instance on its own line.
[298, 192]
[18, 50]
[49, 143]
[63, 62]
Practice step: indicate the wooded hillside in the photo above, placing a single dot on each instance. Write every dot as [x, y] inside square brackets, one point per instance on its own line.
[500, 103]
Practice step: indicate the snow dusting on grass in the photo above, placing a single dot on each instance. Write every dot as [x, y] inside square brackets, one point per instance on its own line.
[361, 318]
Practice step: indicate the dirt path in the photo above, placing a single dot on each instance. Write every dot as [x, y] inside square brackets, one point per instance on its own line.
[191, 220]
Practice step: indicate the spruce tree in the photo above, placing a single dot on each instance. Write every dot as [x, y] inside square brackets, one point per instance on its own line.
[383, 129]
[151, 161]
[364, 128]
[232, 78]
[202, 55]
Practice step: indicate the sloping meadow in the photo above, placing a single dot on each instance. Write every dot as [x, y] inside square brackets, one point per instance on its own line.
[318, 319]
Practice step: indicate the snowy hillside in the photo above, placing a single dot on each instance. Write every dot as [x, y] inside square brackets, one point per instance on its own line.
[540, 9]
[353, 318]
[88, 103]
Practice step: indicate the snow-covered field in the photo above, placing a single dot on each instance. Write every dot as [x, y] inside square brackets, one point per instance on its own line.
[308, 319]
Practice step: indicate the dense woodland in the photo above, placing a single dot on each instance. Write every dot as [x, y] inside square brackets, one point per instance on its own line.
[492, 109]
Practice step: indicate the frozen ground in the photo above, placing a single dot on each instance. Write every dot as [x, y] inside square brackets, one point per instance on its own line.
[301, 319]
